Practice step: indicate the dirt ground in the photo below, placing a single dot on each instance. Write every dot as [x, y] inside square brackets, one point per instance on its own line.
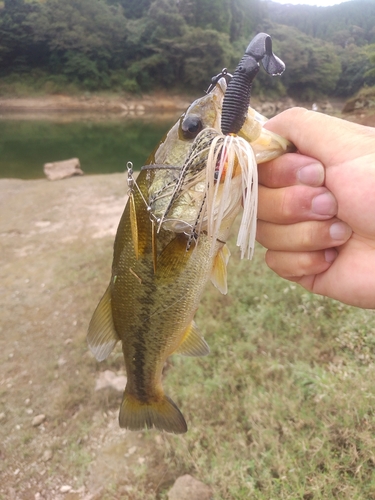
[56, 249]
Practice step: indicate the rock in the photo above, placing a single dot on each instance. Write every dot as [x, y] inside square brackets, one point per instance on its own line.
[65, 488]
[268, 108]
[110, 379]
[349, 106]
[38, 419]
[364, 100]
[188, 488]
[47, 455]
[61, 362]
[326, 107]
[62, 169]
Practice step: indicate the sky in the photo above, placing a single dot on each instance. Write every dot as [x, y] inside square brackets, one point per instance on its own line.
[322, 3]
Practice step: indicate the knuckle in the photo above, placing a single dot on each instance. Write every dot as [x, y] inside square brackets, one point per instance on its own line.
[308, 237]
[296, 202]
[306, 261]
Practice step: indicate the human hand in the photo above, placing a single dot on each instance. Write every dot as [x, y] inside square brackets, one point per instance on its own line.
[318, 222]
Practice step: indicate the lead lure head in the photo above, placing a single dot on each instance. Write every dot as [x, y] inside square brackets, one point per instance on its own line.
[237, 96]
[215, 79]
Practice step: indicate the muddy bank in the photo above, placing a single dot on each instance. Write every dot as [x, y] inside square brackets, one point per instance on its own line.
[156, 102]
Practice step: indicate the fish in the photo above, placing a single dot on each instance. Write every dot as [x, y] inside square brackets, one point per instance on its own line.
[171, 240]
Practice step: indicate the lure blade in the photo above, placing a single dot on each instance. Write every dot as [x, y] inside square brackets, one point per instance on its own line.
[154, 245]
[133, 225]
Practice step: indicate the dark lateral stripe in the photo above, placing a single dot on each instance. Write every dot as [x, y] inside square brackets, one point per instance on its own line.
[139, 370]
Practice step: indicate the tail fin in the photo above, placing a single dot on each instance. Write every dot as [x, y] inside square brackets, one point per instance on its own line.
[163, 415]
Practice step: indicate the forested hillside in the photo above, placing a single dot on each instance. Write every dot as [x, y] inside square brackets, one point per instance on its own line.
[140, 45]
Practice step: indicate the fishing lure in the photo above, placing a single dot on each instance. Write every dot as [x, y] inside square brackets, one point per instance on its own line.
[237, 96]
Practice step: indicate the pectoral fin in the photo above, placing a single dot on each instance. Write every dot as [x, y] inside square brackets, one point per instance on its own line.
[173, 259]
[219, 269]
[102, 336]
[193, 344]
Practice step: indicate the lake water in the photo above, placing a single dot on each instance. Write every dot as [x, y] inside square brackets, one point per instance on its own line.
[102, 146]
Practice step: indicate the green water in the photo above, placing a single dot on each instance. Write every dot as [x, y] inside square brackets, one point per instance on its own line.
[102, 147]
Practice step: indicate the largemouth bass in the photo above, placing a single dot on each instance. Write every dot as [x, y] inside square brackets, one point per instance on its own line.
[170, 241]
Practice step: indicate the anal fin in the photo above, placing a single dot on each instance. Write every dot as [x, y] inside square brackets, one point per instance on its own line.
[219, 270]
[102, 336]
[193, 344]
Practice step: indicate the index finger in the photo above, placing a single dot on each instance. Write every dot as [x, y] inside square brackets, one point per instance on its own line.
[329, 139]
[291, 169]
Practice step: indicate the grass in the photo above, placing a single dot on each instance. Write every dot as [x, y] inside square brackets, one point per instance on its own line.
[284, 405]
[282, 408]
[36, 83]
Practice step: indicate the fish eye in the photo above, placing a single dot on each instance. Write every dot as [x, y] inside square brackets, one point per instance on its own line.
[191, 126]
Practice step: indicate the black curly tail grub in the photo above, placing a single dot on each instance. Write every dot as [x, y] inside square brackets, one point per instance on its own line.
[237, 96]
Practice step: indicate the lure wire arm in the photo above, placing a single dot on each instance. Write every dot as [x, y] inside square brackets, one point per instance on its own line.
[133, 183]
[215, 79]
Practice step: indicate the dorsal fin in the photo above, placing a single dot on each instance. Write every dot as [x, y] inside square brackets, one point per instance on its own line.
[102, 336]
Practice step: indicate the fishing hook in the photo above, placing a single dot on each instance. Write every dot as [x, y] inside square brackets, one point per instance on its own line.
[133, 183]
[130, 179]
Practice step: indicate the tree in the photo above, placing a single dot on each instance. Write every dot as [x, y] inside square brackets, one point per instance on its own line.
[312, 66]
[85, 38]
[16, 51]
[166, 51]
[133, 9]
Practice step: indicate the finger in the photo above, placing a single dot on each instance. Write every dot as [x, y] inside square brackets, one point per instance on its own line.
[295, 204]
[306, 236]
[318, 135]
[300, 267]
[290, 169]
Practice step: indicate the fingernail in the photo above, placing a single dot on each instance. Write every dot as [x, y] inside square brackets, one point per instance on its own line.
[311, 175]
[330, 255]
[324, 204]
[340, 231]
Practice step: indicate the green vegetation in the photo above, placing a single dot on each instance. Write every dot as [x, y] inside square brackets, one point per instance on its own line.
[133, 46]
[349, 28]
[283, 406]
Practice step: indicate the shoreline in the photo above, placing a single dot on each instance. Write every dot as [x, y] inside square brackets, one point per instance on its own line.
[154, 106]
[156, 102]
